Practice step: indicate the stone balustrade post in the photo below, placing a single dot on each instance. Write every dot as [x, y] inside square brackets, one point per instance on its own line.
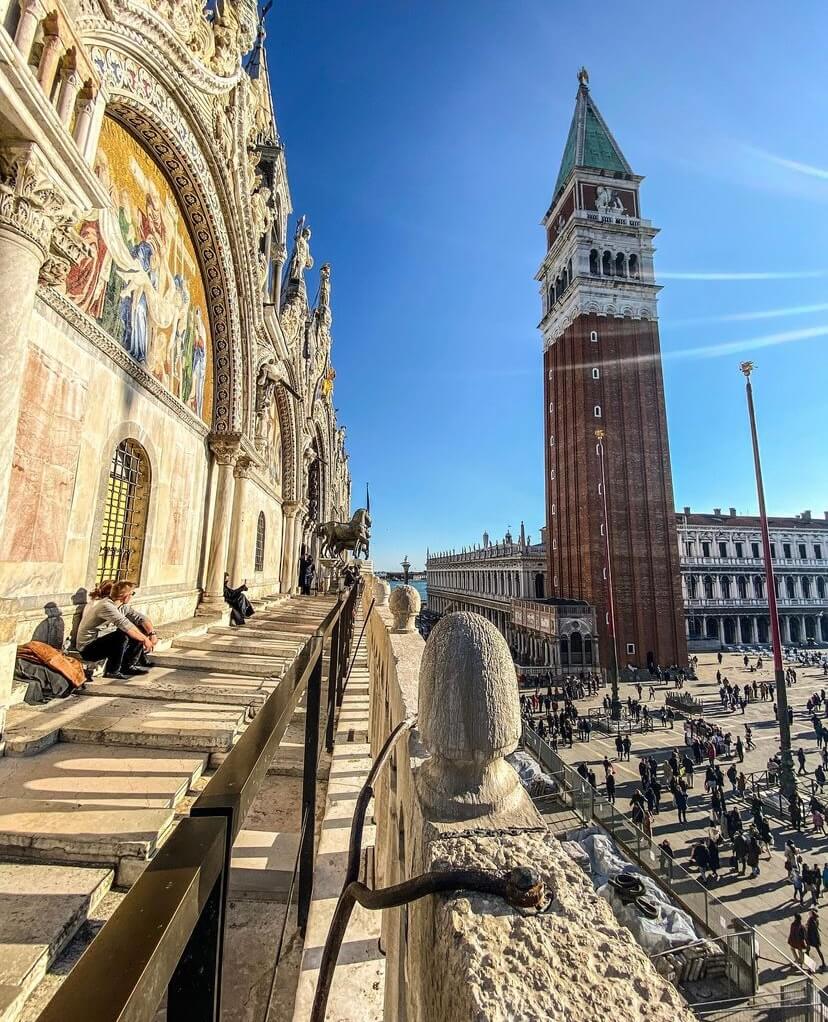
[404, 605]
[382, 590]
[32, 13]
[469, 720]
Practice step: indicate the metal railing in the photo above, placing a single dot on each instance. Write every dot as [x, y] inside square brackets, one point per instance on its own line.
[167, 935]
[715, 919]
[684, 702]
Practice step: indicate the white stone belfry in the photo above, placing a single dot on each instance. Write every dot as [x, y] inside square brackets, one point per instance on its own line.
[469, 720]
[405, 605]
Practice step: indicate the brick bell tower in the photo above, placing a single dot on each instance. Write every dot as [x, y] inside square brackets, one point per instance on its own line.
[602, 371]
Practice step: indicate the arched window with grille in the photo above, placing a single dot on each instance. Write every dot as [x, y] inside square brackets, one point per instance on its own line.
[260, 542]
[124, 524]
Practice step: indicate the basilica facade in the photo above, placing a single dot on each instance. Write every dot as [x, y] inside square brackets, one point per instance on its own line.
[167, 383]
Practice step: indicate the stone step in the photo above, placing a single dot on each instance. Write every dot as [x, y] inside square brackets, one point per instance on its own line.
[105, 777]
[247, 645]
[41, 910]
[58, 832]
[198, 727]
[255, 633]
[181, 685]
[114, 720]
[211, 661]
[265, 629]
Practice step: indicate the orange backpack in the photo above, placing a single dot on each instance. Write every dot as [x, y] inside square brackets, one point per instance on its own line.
[42, 653]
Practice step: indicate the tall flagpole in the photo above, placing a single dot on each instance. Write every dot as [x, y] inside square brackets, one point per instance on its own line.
[787, 776]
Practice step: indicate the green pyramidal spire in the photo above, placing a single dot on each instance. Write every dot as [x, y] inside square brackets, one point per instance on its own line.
[589, 142]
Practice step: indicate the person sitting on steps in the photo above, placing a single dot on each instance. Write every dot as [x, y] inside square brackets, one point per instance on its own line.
[240, 606]
[112, 630]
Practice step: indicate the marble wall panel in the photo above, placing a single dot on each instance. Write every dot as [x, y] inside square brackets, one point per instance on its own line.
[47, 445]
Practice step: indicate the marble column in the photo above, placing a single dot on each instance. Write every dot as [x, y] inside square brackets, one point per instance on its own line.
[70, 86]
[754, 630]
[803, 632]
[86, 114]
[298, 540]
[50, 57]
[30, 208]
[236, 553]
[289, 510]
[225, 453]
[279, 257]
[31, 14]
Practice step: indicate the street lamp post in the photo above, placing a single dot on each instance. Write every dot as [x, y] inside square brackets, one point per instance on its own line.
[406, 567]
[787, 776]
[615, 708]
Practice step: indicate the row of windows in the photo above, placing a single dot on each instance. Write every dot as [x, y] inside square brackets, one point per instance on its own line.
[755, 550]
[607, 264]
[754, 587]
[560, 285]
[503, 582]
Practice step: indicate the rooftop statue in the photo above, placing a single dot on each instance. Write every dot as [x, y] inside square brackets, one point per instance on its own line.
[300, 258]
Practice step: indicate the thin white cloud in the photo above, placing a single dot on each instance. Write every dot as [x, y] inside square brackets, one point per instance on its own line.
[780, 161]
[720, 349]
[741, 317]
[759, 275]
[750, 343]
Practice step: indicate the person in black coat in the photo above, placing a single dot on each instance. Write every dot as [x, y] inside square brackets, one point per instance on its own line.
[713, 858]
[813, 937]
[240, 608]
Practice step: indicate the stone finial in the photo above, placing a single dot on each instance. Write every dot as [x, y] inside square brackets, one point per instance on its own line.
[469, 719]
[405, 605]
[381, 592]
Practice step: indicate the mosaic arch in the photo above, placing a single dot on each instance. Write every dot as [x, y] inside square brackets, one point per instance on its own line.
[140, 280]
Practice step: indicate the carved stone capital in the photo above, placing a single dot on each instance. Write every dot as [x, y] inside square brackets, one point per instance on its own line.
[244, 467]
[31, 204]
[290, 508]
[225, 448]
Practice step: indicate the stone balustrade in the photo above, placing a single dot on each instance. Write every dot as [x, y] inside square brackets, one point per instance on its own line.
[448, 799]
[58, 59]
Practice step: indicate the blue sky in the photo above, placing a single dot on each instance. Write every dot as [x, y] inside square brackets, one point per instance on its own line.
[423, 141]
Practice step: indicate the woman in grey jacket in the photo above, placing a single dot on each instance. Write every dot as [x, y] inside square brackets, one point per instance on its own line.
[109, 630]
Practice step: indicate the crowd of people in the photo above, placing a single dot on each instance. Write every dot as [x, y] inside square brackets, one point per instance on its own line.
[742, 813]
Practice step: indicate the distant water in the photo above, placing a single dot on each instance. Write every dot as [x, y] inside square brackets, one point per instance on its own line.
[419, 585]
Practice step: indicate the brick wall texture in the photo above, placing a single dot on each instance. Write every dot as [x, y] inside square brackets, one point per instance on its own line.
[645, 563]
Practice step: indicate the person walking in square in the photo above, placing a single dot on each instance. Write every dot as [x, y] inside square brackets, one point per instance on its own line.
[813, 937]
[798, 939]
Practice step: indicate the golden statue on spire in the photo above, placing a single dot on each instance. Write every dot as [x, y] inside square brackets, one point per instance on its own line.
[583, 77]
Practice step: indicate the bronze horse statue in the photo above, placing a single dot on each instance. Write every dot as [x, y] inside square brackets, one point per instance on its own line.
[337, 538]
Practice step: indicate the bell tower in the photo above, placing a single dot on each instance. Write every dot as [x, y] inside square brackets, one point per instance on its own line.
[612, 533]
